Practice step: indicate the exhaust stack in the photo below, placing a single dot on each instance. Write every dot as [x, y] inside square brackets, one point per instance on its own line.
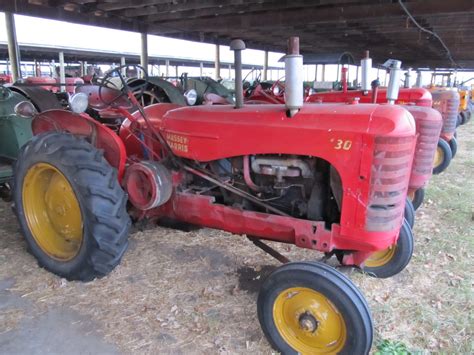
[293, 77]
[366, 65]
[407, 83]
[393, 83]
[419, 79]
[237, 45]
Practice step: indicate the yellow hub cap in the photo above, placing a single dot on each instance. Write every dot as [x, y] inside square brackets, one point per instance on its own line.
[381, 257]
[52, 212]
[309, 322]
[439, 157]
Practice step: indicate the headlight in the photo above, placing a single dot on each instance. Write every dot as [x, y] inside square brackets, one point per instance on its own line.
[191, 97]
[25, 109]
[79, 102]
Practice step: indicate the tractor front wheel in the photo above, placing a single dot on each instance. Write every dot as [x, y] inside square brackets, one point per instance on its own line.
[442, 158]
[417, 197]
[453, 144]
[310, 308]
[70, 206]
[409, 213]
[389, 262]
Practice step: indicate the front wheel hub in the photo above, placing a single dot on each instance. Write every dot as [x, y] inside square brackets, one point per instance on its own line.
[308, 323]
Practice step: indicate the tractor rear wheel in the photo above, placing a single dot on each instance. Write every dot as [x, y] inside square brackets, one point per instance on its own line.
[310, 308]
[453, 144]
[417, 198]
[409, 213]
[70, 206]
[442, 158]
[389, 262]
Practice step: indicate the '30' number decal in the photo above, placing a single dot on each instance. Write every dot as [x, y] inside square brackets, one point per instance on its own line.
[344, 145]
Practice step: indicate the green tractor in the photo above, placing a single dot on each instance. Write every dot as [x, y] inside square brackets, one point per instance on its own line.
[16, 106]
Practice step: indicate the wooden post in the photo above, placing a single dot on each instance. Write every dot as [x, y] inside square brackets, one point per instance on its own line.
[62, 72]
[144, 52]
[265, 66]
[122, 63]
[13, 50]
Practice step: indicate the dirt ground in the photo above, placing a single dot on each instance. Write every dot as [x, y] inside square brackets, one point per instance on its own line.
[195, 292]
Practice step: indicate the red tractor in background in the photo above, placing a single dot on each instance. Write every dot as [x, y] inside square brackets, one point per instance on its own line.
[53, 84]
[446, 101]
[5, 79]
[330, 177]
[418, 102]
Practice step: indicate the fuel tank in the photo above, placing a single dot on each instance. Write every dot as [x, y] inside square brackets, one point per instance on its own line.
[417, 96]
[206, 133]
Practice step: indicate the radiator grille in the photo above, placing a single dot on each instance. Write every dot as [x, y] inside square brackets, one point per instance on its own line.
[391, 169]
[447, 103]
[427, 141]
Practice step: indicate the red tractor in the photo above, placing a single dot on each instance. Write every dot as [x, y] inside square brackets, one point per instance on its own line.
[331, 178]
[428, 121]
[446, 101]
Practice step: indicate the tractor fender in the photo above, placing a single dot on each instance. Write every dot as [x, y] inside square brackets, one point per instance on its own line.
[172, 92]
[42, 99]
[82, 125]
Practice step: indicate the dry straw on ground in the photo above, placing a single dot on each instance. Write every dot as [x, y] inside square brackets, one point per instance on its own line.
[195, 292]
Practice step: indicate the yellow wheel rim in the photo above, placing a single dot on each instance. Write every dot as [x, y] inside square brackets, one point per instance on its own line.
[309, 322]
[438, 158]
[52, 212]
[381, 257]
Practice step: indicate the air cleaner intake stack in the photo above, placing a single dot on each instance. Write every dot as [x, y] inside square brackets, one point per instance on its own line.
[293, 77]
[407, 83]
[393, 83]
[237, 45]
[419, 79]
[366, 65]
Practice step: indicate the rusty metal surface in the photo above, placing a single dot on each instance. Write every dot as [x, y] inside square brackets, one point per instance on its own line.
[174, 94]
[41, 98]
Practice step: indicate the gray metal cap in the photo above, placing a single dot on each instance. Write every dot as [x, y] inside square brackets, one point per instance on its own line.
[237, 45]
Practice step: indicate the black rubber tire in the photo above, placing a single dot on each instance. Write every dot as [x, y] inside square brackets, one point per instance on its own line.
[459, 119]
[102, 202]
[418, 198]
[453, 144]
[409, 213]
[324, 279]
[401, 258]
[444, 146]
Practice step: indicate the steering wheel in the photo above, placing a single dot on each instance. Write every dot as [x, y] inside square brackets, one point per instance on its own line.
[257, 79]
[281, 88]
[125, 90]
[248, 88]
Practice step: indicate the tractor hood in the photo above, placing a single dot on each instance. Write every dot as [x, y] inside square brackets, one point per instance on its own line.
[206, 133]
[417, 96]
[8, 100]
